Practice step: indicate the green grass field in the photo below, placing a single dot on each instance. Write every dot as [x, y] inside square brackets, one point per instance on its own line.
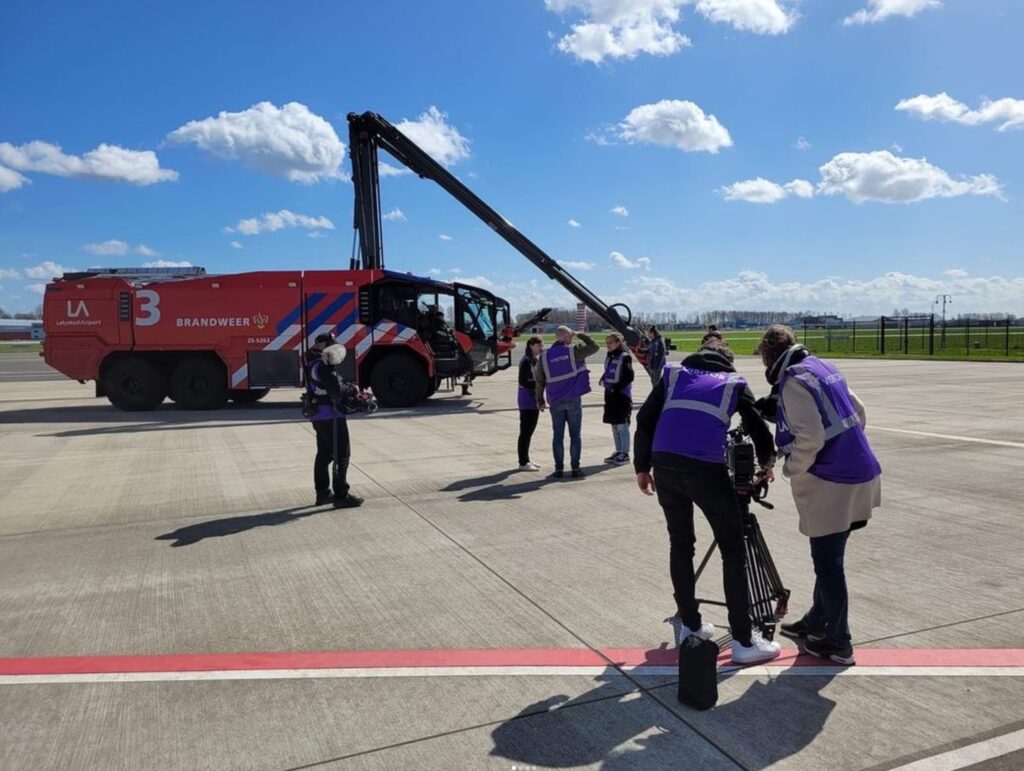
[20, 347]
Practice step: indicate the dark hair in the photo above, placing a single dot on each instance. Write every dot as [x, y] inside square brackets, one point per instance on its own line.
[714, 334]
[712, 328]
[718, 345]
[533, 340]
[654, 330]
[775, 341]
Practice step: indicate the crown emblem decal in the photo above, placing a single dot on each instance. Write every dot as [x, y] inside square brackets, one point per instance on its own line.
[260, 320]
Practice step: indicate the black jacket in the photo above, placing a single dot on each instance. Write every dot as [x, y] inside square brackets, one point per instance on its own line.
[647, 418]
[527, 379]
[617, 405]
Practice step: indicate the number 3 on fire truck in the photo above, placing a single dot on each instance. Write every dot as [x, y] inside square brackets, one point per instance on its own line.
[149, 304]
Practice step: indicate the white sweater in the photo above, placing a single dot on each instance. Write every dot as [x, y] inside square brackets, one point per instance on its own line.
[824, 507]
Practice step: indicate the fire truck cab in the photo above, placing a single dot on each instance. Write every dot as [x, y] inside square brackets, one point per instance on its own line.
[145, 334]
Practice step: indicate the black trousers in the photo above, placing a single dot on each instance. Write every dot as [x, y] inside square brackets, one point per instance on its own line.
[527, 425]
[325, 454]
[681, 484]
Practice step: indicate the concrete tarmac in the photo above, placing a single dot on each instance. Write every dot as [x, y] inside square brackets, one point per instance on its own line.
[476, 591]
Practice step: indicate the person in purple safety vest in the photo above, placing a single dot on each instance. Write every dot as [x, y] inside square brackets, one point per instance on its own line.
[618, 395]
[834, 475]
[526, 396]
[681, 432]
[325, 386]
[562, 379]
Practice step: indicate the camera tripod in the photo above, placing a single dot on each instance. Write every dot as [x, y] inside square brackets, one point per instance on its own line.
[769, 599]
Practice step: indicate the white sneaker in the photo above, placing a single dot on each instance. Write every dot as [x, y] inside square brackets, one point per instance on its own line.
[758, 651]
[706, 632]
[529, 467]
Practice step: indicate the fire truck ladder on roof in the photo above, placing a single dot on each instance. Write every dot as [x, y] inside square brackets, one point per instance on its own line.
[367, 133]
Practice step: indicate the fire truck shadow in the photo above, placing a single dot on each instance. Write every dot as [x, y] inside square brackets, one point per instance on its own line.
[216, 528]
[100, 420]
[489, 488]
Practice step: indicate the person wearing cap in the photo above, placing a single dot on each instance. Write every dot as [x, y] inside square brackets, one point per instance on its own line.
[562, 380]
[833, 473]
[324, 384]
[681, 433]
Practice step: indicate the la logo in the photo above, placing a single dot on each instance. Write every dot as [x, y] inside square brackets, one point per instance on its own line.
[79, 310]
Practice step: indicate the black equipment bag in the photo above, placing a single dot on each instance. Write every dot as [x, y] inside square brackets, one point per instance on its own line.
[698, 673]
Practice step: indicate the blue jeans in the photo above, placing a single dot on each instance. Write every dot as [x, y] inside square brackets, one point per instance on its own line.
[620, 433]
[571, 412]
[830, 611]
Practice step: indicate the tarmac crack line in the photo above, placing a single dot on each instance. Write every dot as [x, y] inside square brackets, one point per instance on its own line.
[629, 677]
[941, 626]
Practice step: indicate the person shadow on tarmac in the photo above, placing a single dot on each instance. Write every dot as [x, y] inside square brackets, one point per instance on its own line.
[623, 729]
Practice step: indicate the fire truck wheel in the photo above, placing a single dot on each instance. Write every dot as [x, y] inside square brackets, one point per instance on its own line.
[247, 395]
[199, 383]
[398, 380]
[134, 385]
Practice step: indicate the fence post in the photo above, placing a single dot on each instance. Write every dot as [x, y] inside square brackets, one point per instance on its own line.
[967, 336]
[855, 335]
[906, 335]
[1007, 346]
[881, 330]
[931, 335]
[828, 335]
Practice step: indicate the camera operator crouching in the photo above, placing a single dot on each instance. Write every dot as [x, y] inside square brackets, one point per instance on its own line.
[324, 405]
[834, 475]
[681, 432]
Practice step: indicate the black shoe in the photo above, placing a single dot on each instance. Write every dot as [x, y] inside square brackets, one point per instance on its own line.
[323, 496]
[557, 474]
[577, 473]
[349, 501]
[799, 630]
[826, 650]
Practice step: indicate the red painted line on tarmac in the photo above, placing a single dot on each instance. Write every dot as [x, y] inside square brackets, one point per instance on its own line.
[493, 657]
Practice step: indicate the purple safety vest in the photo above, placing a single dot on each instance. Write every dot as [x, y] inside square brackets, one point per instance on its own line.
[846, 457]
[613, 372]
[526, 397]
[565, 377]
[698, 409]
[325, 409]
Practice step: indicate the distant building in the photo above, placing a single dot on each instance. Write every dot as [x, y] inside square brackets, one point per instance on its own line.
[21, 329]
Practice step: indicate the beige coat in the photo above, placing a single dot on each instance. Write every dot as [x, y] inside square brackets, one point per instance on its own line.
[824, 507]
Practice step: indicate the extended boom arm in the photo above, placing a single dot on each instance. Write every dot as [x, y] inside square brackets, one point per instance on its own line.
[370, 131]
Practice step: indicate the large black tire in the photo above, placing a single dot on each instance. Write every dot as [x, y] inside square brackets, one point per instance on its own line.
[200, 383]
[247, 395]
[134, 385]
[398, 380]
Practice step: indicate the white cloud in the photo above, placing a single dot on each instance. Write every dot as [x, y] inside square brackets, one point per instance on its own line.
[46, 270]
[106, 162]
[289, 141]
[675, 123]
[316, 234]
[761, 190]
[751, 290]
[36, 288]
[802, 144]
[395, 215]
[577, 264]
[236, 245]
[9, 273]
[10, 179]
[620, 260]
[272, 221]
[574, 224]
[1009, 113]
[481, 281]
[438, 138]
[955, 273]
[445, 237]
[880, 10]
[113, 246]
[624, 29]
[619, 210]
[167, 264]
[145, 251]
[434, 272]
[882, 176]
[386, 169]
[455, 271]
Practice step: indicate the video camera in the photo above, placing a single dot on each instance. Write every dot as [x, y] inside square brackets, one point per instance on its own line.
[352, 400]
[742, 463]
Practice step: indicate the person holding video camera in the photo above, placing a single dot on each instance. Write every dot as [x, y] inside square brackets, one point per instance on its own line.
[834, 475]
[681, 433]
[324, 405]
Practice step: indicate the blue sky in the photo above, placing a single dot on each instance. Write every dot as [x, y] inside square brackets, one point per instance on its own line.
[755, 144]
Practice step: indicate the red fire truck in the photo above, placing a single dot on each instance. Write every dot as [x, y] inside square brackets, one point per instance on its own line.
[146, 334]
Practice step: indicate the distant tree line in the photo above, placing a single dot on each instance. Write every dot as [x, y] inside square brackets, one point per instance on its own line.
[35, 313]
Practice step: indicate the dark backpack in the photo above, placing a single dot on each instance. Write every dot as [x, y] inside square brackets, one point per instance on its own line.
[698, 673]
